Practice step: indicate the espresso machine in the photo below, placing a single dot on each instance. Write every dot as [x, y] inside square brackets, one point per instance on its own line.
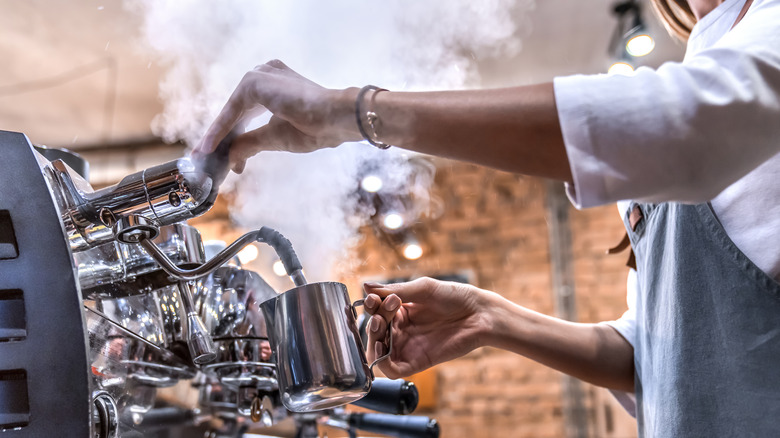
[116, 321]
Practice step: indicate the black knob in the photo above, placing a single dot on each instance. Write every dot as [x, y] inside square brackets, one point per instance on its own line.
[391, 397]
[396, 425]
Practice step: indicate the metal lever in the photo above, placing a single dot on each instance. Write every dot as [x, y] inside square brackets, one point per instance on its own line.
[198, 340]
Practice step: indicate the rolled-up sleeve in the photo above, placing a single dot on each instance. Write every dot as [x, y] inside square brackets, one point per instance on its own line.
[683, 132]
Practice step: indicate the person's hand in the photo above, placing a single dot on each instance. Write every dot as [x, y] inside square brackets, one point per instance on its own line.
[306, 116]
[432, 322]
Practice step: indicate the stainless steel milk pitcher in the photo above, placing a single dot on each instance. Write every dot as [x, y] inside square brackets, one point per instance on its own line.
[316, 346]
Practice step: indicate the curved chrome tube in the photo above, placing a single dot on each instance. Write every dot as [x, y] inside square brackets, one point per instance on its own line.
[220, 259]
[205, 269]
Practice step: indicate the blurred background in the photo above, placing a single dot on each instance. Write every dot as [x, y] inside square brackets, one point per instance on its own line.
[131, 84]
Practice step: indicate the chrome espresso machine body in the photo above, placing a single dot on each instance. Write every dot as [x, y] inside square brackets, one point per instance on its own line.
[110, 310]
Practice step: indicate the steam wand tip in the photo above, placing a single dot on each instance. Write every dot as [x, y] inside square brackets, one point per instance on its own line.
[298, 277]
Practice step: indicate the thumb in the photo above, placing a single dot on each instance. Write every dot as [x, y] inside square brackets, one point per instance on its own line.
[276, 135]
[411, 291]
[268, 137]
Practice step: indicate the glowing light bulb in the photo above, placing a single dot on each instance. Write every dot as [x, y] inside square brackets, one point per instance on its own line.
[371, 183]
[279, 268]
[393, 221]
[413, 251]
[248, 254]
[621, 68]
[640, 45]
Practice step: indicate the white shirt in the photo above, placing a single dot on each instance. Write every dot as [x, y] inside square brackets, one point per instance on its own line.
[704, 129]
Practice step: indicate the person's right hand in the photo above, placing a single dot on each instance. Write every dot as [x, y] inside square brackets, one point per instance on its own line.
[437, 321]
[306, 116]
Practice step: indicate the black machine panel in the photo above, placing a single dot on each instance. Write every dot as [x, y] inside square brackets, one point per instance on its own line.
[44, 385]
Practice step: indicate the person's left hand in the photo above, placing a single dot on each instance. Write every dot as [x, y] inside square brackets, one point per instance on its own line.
[437, 321]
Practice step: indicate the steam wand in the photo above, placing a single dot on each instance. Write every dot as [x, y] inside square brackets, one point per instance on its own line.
[137, 230]
[202, 348]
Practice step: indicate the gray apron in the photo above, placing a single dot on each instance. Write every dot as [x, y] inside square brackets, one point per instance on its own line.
[707, 351]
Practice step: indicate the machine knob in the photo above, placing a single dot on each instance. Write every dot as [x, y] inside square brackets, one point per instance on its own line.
[132, 228]
[104, 416]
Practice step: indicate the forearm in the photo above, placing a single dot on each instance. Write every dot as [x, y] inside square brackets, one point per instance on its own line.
[595, 353]
[513, 129]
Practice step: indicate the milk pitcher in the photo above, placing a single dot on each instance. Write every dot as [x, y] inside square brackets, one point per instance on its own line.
[316, 346]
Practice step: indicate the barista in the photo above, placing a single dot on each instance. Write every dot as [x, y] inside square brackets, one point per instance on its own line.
[694, 145]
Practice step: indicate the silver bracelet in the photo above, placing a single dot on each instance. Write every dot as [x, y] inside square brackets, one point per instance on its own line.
[371, 117]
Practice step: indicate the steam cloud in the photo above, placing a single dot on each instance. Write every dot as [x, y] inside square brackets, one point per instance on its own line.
[207, 46]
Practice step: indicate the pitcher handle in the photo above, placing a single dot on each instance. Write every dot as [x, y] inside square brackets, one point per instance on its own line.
[388, 337]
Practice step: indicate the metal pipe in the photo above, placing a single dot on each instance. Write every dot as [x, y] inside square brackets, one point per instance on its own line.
[198, 340]
[276, 240]
[205, 269]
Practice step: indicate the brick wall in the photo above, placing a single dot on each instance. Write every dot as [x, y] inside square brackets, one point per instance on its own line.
[493, 229]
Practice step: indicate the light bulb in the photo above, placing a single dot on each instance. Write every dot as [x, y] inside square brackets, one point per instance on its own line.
[640, 45]
[413, 251]
[279, 268]
[393, 221]
[371, 183]
[248, 254]
[621, 68]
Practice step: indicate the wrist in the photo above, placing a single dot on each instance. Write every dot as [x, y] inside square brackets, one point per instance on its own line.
[503, 324]
[488, 307]
[343, 113]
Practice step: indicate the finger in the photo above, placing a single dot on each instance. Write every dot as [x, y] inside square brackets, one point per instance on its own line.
[383, 313]
[277, 135]
[395, 370]
[377, 331]
[280, 67]
[376, 347]
[411, 291]
[238, 109]
[239, 166]
[227, 119]
[271, 65]
[371, 303]
[379, 349]
[386, 307]
[275, 63]
[389, 307]
[267, 137]
[391, 366]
